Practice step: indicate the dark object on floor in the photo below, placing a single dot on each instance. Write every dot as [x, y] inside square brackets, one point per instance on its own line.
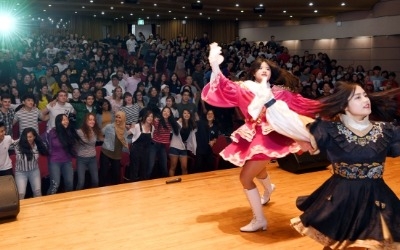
[9, 198]
[305, 162]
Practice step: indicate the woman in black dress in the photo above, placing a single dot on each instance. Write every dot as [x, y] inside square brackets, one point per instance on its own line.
[354, 207]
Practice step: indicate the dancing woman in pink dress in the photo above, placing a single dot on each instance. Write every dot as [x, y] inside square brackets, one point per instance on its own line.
[273, 127]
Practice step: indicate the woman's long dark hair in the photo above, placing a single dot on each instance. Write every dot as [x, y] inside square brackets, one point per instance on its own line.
[383, 105]
[171, 120]
[26, 148]
[67, 136]
[191, 124]
[278, 76]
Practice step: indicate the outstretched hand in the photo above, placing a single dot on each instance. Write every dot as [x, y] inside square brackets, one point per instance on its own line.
[215, 58]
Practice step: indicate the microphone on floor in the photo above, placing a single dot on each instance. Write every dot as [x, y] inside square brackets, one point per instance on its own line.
[173, 180]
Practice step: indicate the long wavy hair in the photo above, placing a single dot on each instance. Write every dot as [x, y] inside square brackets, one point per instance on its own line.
[188, 124]
[88, 132]
[279, 76]
[67, 136]
[383, 106]
[26, 148]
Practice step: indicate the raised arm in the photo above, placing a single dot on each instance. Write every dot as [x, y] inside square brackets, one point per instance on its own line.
[220, 91]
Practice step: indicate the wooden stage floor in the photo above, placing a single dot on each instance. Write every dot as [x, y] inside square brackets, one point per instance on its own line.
[204, 211]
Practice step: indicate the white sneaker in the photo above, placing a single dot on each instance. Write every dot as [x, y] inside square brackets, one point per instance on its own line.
[255, 225]
[267, 195]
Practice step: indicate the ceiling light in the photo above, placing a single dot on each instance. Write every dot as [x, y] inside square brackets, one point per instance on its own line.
[83, 7]
[343, 4]
[111, 7]
[102, 12]
[237, 5]
[310, 4]
[91, 1]
[315, 11]
[284, 11]
[155, 4]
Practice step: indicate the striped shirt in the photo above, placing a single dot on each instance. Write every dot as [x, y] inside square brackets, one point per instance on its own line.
[27, 119]
[130, 112]
[88, 148]
[161, 134]
[135, 112]
[22, 163]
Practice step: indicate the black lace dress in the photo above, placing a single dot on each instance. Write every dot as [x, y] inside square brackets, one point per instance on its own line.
[354, 207]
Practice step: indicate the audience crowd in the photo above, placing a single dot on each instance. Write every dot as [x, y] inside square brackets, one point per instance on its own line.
[134, 95]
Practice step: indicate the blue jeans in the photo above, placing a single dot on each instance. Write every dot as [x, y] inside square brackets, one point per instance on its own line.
[157, 149]
[56, 169]
[21, 179]
[83, 164]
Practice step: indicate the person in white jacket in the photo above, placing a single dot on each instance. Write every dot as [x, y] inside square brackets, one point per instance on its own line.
[182, 143]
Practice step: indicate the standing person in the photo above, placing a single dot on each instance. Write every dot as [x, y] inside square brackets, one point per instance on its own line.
[28, 115]
[7, 113]
[269, 124]
[27, 151]
[206, 136]
[82, 108]
[142, 133]
[6, 142]
[61, 106]
[115, 139]
[163, 127]
[89, 133]
[131, 45]
[183, 142]
[354, 207]
[61, 140]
